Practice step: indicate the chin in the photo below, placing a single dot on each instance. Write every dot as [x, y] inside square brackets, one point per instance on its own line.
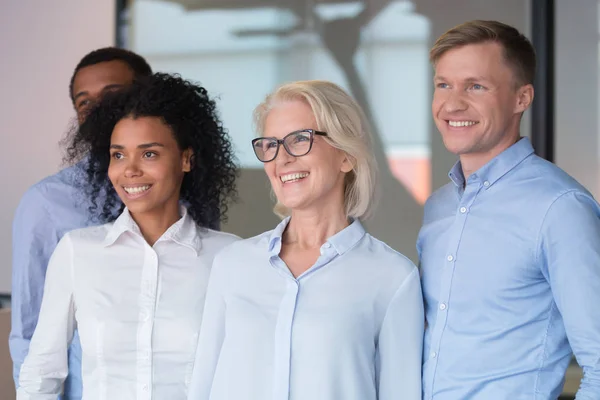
[293, 204]
[137, 208]
[456, 147]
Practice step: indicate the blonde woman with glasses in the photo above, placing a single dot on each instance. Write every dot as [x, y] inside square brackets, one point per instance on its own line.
[316, 308]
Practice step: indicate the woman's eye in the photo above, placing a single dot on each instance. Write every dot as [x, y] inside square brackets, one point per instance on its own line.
[302, 138]
[149, 154]
[117, 156]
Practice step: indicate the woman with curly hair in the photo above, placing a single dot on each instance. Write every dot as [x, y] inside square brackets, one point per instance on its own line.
[134, 287]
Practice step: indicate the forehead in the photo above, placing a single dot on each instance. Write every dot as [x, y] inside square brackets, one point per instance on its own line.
[134, 131]
[474, 60]
[289, 116]
[94, 78]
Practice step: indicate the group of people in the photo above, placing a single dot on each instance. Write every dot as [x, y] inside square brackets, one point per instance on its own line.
[124, 287]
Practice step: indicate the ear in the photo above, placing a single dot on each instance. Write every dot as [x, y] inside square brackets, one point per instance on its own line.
[524, 98]
[347, 164]
[186, 160]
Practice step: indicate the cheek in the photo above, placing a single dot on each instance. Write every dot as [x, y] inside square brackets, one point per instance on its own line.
[270, 170]
[113, 172]
[437, 102]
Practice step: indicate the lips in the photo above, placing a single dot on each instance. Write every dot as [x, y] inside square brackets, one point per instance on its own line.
[461, 123]
[136, 191]
[293, 177]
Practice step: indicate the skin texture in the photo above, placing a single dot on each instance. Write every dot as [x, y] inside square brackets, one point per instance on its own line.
[475, 84]
[144, 154]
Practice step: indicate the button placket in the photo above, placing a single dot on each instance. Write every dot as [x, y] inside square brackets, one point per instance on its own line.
[468, 197]
[283, 339]
[147, 304]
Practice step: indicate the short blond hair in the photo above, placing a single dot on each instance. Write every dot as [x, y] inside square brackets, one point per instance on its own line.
[518, 50]
[348, 130]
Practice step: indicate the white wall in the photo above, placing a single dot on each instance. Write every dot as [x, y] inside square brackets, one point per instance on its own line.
[41, 41]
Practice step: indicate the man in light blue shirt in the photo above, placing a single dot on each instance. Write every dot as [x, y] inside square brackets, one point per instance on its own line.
[55, 205]
[510, 248]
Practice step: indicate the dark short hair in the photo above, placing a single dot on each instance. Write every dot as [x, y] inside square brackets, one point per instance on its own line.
[518, 50]
[192, 116]
[136, 63]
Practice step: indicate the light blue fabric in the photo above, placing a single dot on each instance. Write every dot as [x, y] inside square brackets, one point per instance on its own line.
[350, 327]
[510, 265]
[47, 211]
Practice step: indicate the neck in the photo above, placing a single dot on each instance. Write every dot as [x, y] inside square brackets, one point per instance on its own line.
[309, 229]
[154, 224]
[471, 162]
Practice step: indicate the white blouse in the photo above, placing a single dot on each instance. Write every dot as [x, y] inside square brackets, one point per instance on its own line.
[349, 328]
[137, 309]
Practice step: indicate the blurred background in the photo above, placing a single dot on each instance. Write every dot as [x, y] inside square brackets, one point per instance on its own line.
[241, 49]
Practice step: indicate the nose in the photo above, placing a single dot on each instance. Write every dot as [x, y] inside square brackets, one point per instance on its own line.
[283, 157]
[455, 102]
[132, 169]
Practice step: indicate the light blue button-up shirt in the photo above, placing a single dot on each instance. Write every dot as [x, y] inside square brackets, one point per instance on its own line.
[47, 211]
[348, 328]
[510, 265]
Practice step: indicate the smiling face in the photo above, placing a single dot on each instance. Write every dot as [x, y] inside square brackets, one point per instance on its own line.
[313, 181]
[477, 103]
[147, 166]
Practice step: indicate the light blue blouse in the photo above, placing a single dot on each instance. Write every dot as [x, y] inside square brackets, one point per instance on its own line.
[348, 328]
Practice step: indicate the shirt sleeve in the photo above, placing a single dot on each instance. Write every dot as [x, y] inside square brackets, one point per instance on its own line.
[210, 341]
[34, 239]
[570, 255]
[46, 366]
[400, 344]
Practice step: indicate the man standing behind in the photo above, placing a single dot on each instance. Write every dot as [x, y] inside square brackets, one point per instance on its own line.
[54, 206]
[510, 249]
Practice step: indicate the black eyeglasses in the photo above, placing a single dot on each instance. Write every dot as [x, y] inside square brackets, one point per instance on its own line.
[297, 144]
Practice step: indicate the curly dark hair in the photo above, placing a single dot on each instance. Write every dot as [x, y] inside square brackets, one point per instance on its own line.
[136, 63]
[191, 114]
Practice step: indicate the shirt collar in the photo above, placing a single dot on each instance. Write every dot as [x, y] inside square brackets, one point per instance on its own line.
[183, 232]
[496, 168]
[342, 241]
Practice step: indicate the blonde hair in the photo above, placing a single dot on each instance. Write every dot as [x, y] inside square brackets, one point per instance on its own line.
[518, 50]
[338, 114]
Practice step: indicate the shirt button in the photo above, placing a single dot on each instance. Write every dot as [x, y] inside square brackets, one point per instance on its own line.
[145, 387]
[144, 315]
[486, 183]
[327, 245]
[443, 306]
[433, 354]
[463, 210]
[450, 258]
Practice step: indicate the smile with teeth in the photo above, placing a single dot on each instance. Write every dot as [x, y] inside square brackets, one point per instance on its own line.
[457, 124]
[136, 189]
[293, 177]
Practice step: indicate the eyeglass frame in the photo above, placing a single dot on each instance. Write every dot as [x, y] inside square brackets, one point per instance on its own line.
[280, 142]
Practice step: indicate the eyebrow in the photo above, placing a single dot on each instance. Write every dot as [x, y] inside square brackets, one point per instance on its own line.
[469, 79]
[104, 89]
[141, 146]
[78, 95]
